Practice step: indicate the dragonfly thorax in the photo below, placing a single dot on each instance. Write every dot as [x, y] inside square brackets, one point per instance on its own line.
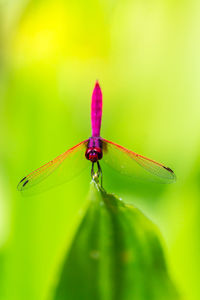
[93, 154]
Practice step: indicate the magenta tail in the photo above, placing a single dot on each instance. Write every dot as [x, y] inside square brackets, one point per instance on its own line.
[96, 110]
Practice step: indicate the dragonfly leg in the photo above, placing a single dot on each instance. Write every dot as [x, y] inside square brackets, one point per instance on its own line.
[100, 172]
[96, 174]
[92, 171]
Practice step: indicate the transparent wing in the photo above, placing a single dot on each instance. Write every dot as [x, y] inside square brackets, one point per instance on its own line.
[57, 171]
[129, 163]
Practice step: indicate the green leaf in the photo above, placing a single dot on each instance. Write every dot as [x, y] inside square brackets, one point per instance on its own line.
[115, 255]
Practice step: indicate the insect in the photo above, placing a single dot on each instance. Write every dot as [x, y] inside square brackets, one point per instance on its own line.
[96, 150]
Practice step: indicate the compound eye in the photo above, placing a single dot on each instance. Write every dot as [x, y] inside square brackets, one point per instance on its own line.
[100, 155]
[99, 152]
[93, 154]
[87, 153]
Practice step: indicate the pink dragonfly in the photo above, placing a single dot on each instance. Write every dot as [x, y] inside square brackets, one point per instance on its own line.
[73, 161]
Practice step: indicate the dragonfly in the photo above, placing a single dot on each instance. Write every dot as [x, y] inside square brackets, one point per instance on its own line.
[93, 151]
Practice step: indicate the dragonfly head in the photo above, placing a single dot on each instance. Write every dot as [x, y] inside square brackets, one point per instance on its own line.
[93, 154]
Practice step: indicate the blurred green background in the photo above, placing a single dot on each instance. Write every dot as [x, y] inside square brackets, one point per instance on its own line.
[146, 57]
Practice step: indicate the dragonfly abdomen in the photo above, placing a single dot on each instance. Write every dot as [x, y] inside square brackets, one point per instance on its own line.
[96, 110]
